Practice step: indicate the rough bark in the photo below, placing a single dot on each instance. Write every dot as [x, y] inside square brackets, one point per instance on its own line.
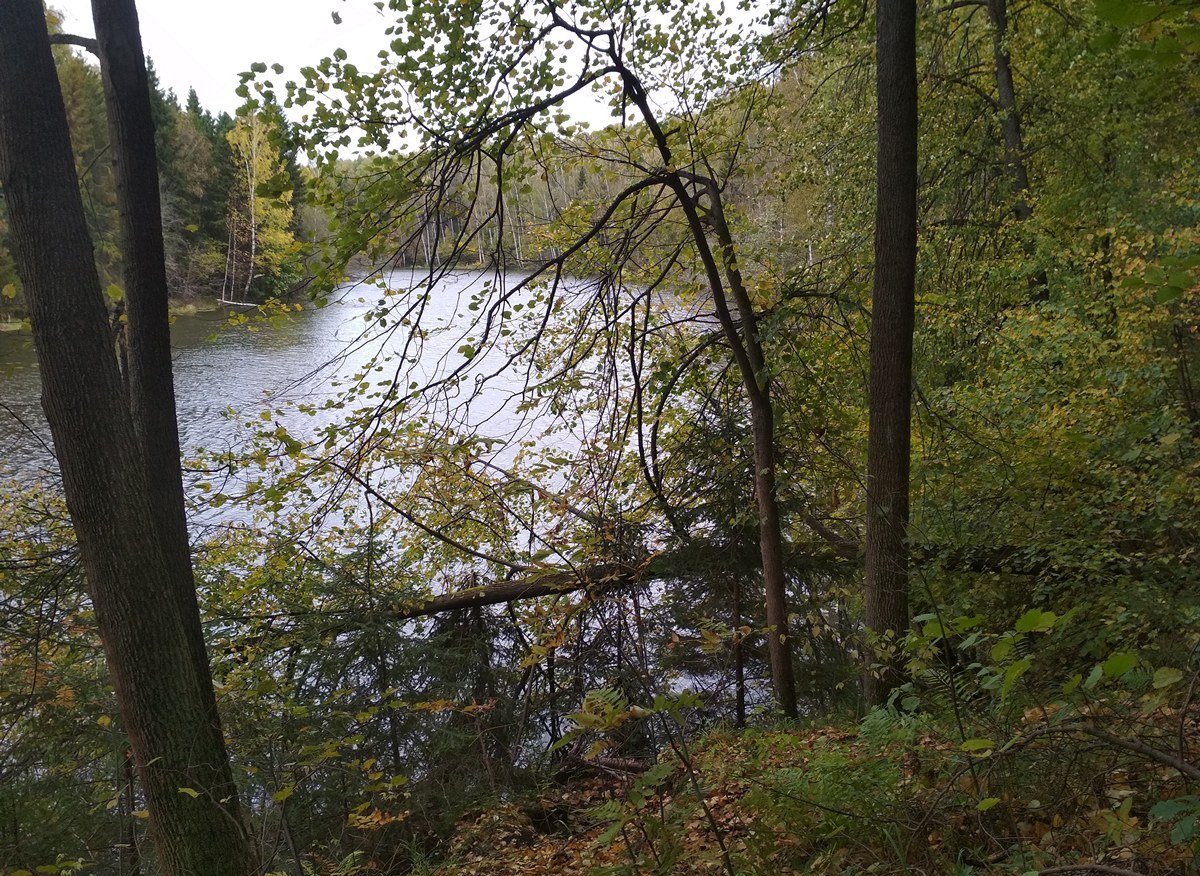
[889, 438]
[144, 273]
[165, 705]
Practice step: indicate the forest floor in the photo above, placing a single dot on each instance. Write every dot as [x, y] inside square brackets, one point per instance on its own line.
[836, 801]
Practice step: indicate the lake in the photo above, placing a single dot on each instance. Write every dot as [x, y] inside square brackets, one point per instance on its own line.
[227, 374]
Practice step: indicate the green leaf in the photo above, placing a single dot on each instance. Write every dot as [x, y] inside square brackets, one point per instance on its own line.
[283, 793]
[1185, 829]
[191, 792]
[1093, 677]
[1127, 13]
[274, 186]
[1165, 810]
[978, 746]
[9, 290]
[1166, 676]
[987, 803]
[1036, 621]
[1013, 674]
[1118, 664]
[1167, 294]
[114, 292]
[933, 630]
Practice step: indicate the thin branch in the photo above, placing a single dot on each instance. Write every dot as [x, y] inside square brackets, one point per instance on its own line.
[1089, 868]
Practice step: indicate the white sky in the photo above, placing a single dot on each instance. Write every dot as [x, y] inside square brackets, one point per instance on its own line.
[205, 44]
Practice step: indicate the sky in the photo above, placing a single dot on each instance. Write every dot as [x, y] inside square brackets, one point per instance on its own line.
[205, 45]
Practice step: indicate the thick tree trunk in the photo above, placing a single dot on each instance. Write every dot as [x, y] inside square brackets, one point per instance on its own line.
[151, 386]
[165, 703]
[889, 439]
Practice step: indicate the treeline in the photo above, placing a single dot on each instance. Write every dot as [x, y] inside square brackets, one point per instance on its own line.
[230, 188]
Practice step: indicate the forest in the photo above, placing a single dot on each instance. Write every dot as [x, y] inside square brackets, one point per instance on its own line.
[796, 472]
[219, 245]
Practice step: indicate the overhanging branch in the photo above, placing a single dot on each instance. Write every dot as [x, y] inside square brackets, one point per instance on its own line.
[70, 39]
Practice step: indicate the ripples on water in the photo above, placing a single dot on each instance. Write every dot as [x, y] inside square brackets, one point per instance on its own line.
[226, 375]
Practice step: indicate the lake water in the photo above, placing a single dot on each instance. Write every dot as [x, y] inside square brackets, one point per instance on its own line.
[227, 375]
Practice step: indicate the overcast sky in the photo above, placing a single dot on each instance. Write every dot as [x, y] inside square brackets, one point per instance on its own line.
[205, 45]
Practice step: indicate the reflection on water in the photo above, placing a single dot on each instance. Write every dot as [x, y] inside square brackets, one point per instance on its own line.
[225, 374]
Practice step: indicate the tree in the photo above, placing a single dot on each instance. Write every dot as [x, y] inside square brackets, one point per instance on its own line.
[260, 207]
[490, 134]
[892, 317]
[128, 522]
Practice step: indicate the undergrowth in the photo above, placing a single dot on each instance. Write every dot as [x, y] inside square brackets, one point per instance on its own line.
[992, 762]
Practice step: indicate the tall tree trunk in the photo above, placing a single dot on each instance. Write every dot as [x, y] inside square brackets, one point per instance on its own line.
[151, 386]
[890, 417]
[165, 702]
[251, 188]
[752, 365]
[1006, 99]
[1014, 139]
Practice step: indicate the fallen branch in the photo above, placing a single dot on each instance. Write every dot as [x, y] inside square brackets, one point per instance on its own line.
[1136, 746]
[605, 576]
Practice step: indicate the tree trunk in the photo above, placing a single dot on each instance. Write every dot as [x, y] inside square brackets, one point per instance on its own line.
[251, 188]
[1014, 140]
[770, 542]
[1010, 118]
[151, 386]
[889, 438]
[166, 704]
[748, 352]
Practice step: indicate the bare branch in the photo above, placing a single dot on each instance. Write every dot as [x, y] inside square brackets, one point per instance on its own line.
[70, 39]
